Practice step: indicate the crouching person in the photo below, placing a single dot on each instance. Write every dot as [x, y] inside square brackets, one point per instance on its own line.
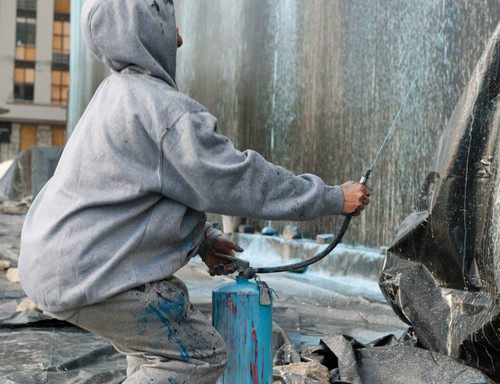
[126, 206]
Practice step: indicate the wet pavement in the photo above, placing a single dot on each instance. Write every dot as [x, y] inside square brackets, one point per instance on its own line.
[307, 307]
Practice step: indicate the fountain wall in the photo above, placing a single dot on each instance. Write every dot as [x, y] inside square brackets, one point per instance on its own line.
[314, 87]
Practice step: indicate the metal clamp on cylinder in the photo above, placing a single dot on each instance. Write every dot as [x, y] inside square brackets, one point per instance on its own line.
[242, 266]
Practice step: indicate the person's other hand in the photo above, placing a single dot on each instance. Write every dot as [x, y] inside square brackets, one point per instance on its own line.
[179, 38]
[218, 265]
[356, 197]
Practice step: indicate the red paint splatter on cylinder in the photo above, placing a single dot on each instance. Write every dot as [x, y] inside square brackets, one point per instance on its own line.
[232, 304]
[245, 325]
[254, 366]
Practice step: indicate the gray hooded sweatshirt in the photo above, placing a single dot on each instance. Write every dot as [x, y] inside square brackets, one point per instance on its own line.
[126, 203]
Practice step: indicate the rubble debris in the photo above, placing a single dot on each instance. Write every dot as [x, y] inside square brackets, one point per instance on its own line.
[17, 207]
[13, 275]
[5, 264]
[388, 360]
[291, 232]
[310, 369]
[325, 238]
[27, 305]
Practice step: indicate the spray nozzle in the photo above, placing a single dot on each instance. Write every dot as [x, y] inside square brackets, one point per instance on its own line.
[365, 176]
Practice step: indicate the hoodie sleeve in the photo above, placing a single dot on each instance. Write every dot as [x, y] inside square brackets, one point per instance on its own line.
[210, 236]
[204, 171]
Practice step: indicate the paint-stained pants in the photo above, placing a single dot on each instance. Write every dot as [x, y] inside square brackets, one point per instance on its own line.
[165, 339]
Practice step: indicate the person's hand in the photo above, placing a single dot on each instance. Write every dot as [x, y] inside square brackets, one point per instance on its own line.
[356, 197]
[179, 38]
[218, 265]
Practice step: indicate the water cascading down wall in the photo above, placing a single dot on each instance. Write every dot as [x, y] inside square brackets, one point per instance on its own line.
[314, 86]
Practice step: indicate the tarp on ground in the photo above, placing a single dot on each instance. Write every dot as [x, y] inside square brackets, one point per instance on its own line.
[389, 360]
[29, 172]
[37, 349]
[442, 272]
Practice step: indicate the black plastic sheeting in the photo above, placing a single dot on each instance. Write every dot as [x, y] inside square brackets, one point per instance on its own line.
[29, 172]
[36, 349]
[389, 360]
[442, 272]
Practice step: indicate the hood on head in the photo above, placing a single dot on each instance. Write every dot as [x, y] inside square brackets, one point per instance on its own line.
[138, 33]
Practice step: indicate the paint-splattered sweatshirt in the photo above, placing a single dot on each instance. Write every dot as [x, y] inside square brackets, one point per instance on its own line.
[127, 202]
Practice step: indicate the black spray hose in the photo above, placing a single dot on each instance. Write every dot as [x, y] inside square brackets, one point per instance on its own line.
[319, 256]
[312, 260]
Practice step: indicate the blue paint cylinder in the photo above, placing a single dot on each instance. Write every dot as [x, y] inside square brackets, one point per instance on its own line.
[241, 316]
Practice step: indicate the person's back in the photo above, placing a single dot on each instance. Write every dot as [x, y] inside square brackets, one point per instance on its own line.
[105, 200]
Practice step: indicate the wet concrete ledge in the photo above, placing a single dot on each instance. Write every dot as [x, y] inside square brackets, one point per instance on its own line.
[344, 260]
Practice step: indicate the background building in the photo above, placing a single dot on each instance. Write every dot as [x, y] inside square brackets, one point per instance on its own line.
[34, 74]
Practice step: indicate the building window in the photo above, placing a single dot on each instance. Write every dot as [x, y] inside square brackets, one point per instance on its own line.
[60, 86]
[24, 71]
[26, 5]
[24, 80]
[60, 40]
[5, 131]
[28, 137]
[58, 135]
[60, 52]
[62, 6]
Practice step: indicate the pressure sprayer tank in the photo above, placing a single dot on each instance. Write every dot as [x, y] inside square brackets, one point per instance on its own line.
[243, 315]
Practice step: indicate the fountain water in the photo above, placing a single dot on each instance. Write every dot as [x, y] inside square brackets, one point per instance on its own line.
[314, 86]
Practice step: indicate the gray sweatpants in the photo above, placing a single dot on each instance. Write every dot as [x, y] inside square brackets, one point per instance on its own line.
[165, 339]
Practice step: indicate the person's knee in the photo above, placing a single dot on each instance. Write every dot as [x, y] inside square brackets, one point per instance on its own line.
[221, 357]
[223, 354]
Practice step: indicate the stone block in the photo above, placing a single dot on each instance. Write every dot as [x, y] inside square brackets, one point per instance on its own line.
[246, 228]
[27, 305]
[13, 275]
[325, 238]
[5, 264]
[311, 369]
[291, 232]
